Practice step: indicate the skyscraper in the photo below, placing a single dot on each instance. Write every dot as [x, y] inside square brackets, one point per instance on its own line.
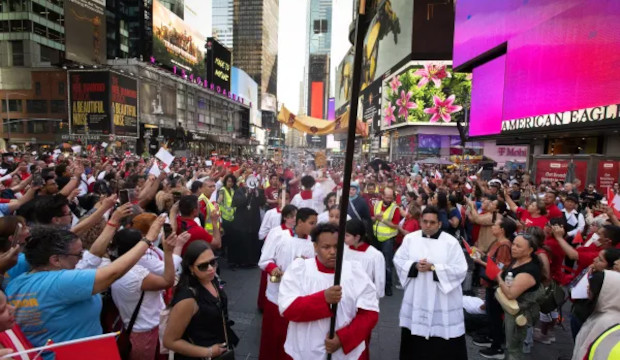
[255, 34]
[318, 58]
[223, 22]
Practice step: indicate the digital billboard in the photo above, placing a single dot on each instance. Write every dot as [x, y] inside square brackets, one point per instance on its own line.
[388, 40]
[89, 102]
[124, 104]
[157, 100]
[547, 47]
[218, 64]
[175, 43]
[344, 73]
[198, 14]
[85, 31]
[244, 86]
[370, 109]
[425, 93]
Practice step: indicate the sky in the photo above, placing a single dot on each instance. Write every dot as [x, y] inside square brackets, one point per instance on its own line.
[291, 51]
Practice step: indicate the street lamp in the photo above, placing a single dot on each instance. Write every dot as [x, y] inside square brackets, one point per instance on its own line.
[8, 114]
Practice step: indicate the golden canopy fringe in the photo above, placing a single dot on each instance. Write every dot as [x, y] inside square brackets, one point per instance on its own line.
[316, 126]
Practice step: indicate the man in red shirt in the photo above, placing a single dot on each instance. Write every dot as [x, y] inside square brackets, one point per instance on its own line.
[609, 237]
[188, 209]
[553, 211]
[272, 192]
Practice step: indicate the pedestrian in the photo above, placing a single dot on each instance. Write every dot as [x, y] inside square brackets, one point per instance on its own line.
[243, 247]
[387, 218]
[431, 267]
[306, 293]
[198, 325]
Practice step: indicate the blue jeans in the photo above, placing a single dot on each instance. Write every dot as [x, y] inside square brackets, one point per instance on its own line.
[387, 248]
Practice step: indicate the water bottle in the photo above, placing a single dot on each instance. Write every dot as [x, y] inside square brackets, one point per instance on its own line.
[509, 279]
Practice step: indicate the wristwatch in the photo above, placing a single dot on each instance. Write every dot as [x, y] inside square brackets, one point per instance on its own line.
[432, 267]
[147, 241]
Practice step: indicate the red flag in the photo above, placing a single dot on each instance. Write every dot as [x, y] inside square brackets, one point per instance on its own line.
[99, 348]
[578, 239]
[467, 247]
[492, 269]
[610, 196]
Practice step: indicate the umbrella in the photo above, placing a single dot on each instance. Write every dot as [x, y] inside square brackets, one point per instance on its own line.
[376, 163]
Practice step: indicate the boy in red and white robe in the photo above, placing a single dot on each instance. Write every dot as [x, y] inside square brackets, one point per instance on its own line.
[306, 292]
[286, 221]
[309, 198]
[276, 257]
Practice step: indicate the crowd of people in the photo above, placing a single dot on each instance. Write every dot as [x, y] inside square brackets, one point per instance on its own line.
[91, 244]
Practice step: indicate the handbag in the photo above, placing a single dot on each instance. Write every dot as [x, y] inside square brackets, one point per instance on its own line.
[553, 298]
[124, 342]
[229, 354]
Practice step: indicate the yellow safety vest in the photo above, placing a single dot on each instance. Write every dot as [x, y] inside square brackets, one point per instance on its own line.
[607, 345]
[228, 212]
[382, 231]
[210, 209]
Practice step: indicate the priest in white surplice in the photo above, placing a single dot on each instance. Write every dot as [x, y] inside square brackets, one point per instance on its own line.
[431, 266]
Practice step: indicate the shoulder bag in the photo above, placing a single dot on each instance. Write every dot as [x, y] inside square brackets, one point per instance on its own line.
[229, 354]
[124, 342]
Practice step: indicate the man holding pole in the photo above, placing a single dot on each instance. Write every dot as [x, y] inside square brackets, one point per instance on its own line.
[306, 294]
[431, 266]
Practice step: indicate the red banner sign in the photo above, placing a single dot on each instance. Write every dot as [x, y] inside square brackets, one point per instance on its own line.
[607, 174]
[555, 170]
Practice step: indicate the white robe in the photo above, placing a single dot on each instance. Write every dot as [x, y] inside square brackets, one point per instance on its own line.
[315, 203]
[373, 263]
[272, 219]
[306, 340]
[282, 250]
[430, 308]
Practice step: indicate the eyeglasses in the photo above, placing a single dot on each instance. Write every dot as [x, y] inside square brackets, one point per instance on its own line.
[526, 236]
[79, 255]
[205, 265]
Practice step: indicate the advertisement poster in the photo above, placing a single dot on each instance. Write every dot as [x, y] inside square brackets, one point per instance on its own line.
[85, 31]
[344, 72]
[218, 64]
[607, 174]
[429, 145]
[89, 102]
[555, 170]
[124, 109]
[370, 110]
[175, 43]
[425, 92]
[244, 86]
[157, 100]
[388, 40]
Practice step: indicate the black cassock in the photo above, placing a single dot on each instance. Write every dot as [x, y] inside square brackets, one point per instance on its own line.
[244, 247]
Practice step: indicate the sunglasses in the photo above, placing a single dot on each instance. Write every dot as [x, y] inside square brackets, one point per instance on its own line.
[205, 265]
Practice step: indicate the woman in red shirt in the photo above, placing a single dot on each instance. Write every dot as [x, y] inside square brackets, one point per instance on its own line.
[410, 222]
[533, 216]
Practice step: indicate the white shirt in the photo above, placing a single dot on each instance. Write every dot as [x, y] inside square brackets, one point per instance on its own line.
[126, 293]
[431, 308]
[324, 218]
[373, 263]
[574, 218]
[316, 202]
[282, 250]
[306, 340]
[271, 220]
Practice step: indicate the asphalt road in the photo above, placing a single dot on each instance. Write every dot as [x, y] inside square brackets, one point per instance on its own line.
[242, 290]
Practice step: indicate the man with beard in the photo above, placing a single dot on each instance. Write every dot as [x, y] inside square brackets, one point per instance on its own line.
[431, 266]
[386, 217]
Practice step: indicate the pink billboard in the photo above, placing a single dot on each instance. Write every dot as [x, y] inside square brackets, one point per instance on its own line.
[561, 57]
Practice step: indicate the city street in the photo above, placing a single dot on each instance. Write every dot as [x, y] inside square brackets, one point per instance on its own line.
[242, 290]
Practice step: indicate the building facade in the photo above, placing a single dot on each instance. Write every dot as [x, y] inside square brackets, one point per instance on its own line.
[223, 22]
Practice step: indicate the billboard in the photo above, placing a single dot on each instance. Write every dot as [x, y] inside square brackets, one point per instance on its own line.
[124, 110]
[175, 43]
[218, 64]
[157, 100]
[555, 170]
[425, 93]
[607, 174]
[370, 110]
[344, 73]
[198, 15]
[547, 47]
[243, 85]
[89, 102]
[85, 31]
[389, 39]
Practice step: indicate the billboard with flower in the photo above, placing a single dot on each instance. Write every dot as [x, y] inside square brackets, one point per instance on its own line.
[425, 93]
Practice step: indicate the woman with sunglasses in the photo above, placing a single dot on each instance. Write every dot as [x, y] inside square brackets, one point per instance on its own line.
[525, 289]
[199, 311]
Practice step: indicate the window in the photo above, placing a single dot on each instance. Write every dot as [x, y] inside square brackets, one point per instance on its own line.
[17, 48]
[320, 26]
[38, 127]
[36, 106]
[14, 105]
[37, 88]
[58, 106]
[61, 88]
[16, 127]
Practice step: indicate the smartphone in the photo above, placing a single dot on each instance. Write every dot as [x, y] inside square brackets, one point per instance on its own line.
[176, 195]
[16, 234]
[167, 230]
[123, 196]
